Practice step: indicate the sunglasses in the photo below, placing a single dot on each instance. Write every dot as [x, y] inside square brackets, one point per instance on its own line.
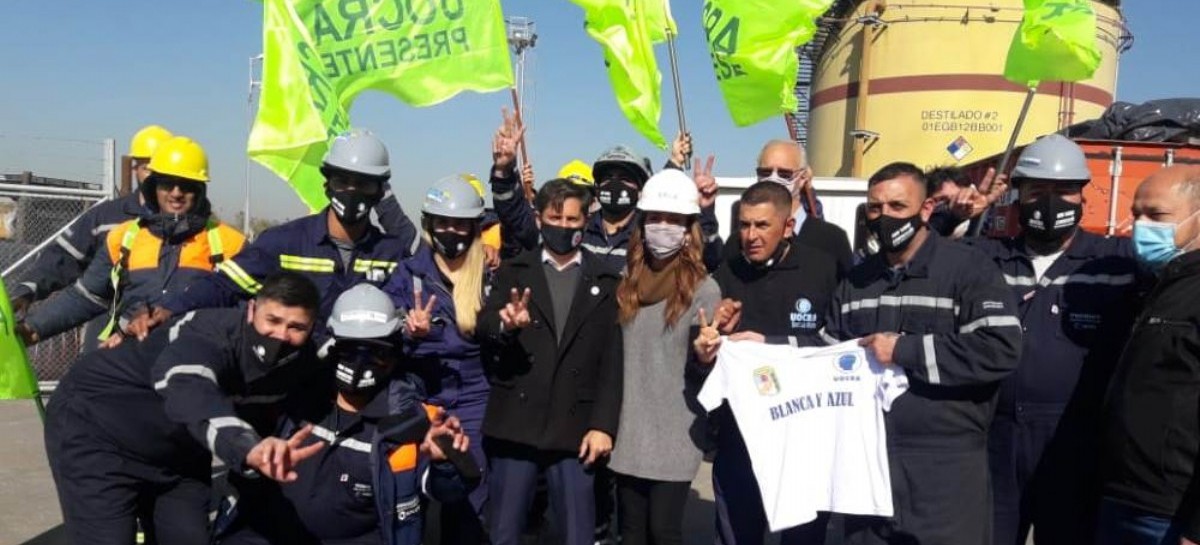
[785, 173]
[170, 184]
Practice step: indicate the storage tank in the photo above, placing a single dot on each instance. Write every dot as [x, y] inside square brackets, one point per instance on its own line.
[930, 72]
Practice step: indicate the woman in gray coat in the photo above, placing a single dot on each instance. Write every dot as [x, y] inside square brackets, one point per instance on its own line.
[659, 449]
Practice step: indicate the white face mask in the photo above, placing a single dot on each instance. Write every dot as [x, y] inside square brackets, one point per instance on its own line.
[664, 240]
[788, 183]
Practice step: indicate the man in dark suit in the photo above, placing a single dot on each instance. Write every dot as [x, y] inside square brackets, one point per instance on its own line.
[555, 367]
[784, 162]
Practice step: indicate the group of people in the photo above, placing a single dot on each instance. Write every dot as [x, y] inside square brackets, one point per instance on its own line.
[350, 366]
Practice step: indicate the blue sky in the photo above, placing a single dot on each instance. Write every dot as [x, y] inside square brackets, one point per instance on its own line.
[77, 72]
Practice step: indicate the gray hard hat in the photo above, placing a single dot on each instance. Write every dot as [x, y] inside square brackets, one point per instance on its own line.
[363, 312]
[1053, 157]
[359, 151]
[625, 158]
[453, 197]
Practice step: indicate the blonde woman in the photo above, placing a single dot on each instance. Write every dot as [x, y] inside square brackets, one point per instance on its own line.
[440, 288]
[661, 431]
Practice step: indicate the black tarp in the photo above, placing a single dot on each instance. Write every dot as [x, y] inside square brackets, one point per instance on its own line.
[1166, 120]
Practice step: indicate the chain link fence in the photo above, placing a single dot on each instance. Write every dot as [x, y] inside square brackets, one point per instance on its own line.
[34, 209]
[36, 220]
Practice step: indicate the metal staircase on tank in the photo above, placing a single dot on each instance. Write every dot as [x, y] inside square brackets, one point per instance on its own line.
[827, 26]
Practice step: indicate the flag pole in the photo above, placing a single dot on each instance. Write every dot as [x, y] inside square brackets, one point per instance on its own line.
[516, 100]
[977, 225]
[678, 91]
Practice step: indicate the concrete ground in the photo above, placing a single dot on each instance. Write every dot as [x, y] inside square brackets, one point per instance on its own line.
[29, 512]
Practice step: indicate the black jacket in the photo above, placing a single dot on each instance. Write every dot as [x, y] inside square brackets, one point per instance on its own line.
[548, 394]
[814, 232]
[1152, 439]
[785, 302]
[193, 384]
[960, 338]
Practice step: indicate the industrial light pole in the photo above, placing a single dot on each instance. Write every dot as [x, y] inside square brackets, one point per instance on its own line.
[253, 85]
[522, 36]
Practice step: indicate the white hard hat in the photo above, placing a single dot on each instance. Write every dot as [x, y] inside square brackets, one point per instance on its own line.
[670, 191]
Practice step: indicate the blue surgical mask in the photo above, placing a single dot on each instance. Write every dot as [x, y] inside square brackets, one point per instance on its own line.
[1153, 243]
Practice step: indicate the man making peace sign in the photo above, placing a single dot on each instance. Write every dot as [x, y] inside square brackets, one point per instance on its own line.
[555, 370]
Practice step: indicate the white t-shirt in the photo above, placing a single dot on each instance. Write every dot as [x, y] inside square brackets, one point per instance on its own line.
[1042, 263]
[812, 419]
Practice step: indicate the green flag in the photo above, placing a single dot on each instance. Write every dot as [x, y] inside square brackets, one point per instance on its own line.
[621, 26]
[659, 20]
[17, 380]
[1055, 42]
[753, 47]
[319, 54]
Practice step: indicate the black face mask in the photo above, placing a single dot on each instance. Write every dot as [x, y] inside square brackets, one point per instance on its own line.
[616, 199]
[351, 207]
[894, 234]
[1050, 218]
[943, 221]
[450, 244]
[357, 371]
[269, 352]
[561, 240]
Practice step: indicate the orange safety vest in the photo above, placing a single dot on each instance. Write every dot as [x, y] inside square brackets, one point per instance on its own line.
[133, 248]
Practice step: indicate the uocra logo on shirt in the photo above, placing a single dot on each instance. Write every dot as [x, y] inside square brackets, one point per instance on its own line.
[804, 317]
[847, 364]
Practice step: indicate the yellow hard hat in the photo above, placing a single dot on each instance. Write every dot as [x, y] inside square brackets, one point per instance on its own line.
[181, 157]
[474, 181]
[579, 172]
[147, 140]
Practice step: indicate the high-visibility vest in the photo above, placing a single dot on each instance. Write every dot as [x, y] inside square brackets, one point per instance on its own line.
[122, 263]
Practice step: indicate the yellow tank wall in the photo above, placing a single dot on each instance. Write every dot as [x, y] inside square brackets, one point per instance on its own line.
[935, 73]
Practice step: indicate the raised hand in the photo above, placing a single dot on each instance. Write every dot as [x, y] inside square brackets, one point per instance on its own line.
[706, 183]
[515, 315]
[527, 180]
[993, 186]
[708, 341]
[505, 142]
[420, 316]
[681, 149]
[277, 458]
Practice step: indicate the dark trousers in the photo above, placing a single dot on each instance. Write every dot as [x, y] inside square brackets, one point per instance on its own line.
[462, 522]
[606, 506]
[1121, 524]
[103, 490]
[940, 496]
[651, 512]
[514, 471]
[1044, 475]
[741, 519]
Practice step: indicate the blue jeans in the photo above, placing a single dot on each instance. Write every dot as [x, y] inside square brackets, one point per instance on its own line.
[1121, 524]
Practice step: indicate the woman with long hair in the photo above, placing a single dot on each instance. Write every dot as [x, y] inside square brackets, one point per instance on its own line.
[440, 289]
[662, 429]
